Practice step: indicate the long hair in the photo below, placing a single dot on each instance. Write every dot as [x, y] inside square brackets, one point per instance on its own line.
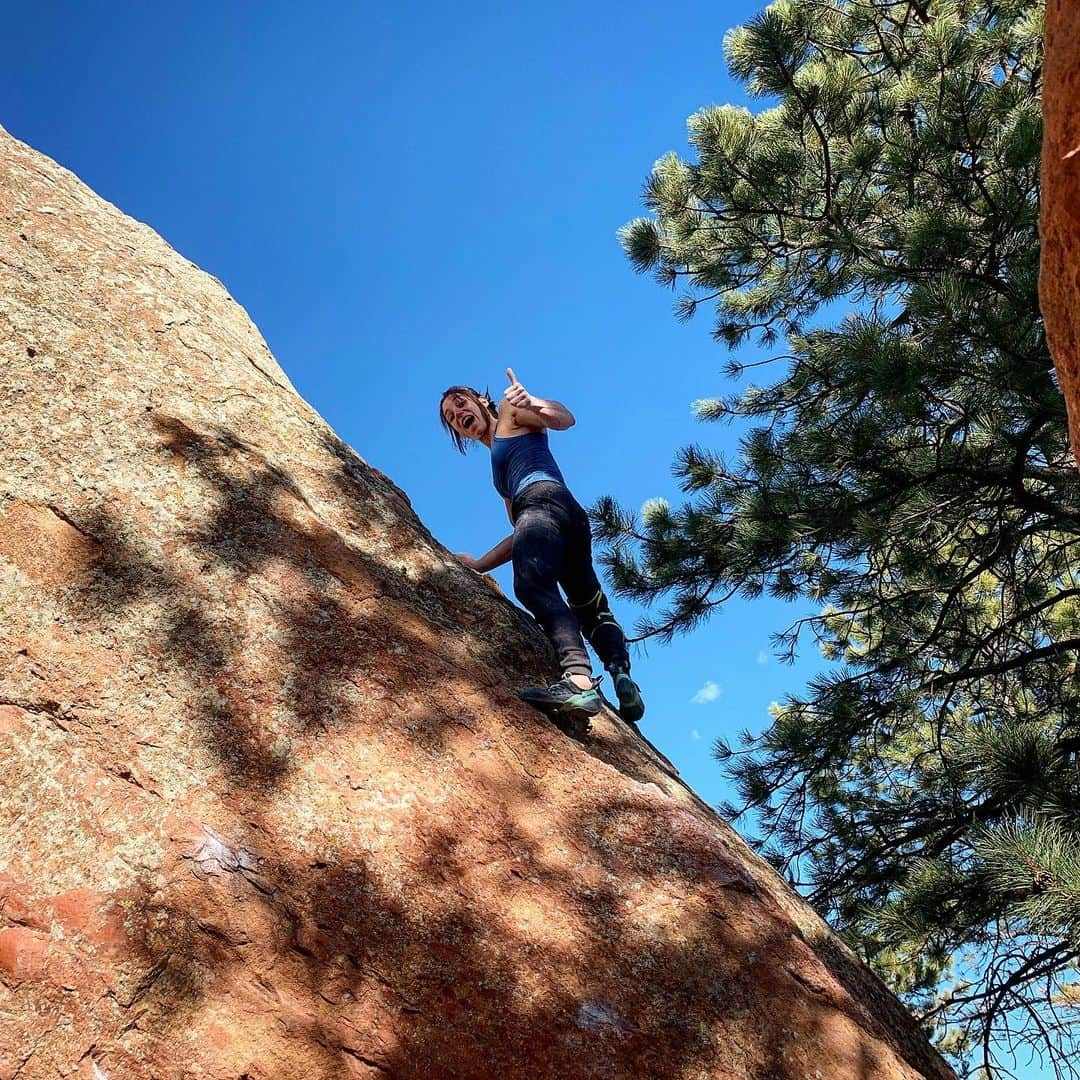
[483, 400]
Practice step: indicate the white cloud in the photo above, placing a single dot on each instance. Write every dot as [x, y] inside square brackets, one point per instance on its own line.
[709, 692]
[762, 657]
[695, 735]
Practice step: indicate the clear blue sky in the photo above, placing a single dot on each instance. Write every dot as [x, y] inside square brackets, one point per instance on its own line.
[405, 196]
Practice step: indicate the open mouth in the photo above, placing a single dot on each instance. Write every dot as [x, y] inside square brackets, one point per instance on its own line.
[467, 421]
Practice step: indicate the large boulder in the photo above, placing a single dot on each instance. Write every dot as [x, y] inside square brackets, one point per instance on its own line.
[270, 807]
[1059, 212]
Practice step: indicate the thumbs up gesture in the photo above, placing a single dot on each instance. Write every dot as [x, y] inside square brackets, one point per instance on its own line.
[516, 394]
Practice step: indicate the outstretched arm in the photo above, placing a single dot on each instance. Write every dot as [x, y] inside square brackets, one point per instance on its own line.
[535, 410]
[499, 555]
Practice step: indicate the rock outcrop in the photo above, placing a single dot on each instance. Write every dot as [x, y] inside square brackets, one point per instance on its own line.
[1059, 214]
[270, 807]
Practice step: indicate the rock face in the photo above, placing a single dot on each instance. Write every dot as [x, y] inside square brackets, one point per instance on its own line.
[270, 808]
[1059, 217]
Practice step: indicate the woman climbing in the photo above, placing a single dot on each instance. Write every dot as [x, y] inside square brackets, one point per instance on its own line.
[550, 546]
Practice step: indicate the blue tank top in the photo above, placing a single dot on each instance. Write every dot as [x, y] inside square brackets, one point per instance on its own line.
[520, 460]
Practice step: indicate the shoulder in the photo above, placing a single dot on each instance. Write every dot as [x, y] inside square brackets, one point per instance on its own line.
[518, 421]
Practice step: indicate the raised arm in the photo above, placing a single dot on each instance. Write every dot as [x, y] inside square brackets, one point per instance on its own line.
[532, 411]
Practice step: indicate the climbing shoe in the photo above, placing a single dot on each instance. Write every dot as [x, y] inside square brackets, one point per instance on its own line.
[631, 707]
[563, 701]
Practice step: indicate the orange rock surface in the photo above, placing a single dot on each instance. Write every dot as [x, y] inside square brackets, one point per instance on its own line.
[270, 807]
[1059, 215]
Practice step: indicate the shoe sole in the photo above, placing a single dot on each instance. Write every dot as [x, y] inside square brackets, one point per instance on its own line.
[571, 719]
[575, 722]
[573, 727]
[563, 708]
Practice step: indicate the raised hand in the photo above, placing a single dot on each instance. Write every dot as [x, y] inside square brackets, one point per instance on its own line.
[516, 394]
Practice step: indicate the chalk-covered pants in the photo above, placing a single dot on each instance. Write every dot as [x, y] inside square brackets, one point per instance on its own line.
[553, 547]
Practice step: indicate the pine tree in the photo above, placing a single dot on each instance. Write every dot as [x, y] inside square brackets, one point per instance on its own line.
[907, 472]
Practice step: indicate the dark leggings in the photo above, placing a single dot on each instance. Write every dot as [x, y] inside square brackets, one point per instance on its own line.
[553, 547]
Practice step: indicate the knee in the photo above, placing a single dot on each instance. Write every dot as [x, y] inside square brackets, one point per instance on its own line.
[531, 586]
[593, 611]
[526, 591]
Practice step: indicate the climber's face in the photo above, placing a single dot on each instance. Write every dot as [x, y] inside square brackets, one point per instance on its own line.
[466, 415]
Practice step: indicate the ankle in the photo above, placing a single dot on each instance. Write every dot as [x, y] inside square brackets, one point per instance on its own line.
[582, 682]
